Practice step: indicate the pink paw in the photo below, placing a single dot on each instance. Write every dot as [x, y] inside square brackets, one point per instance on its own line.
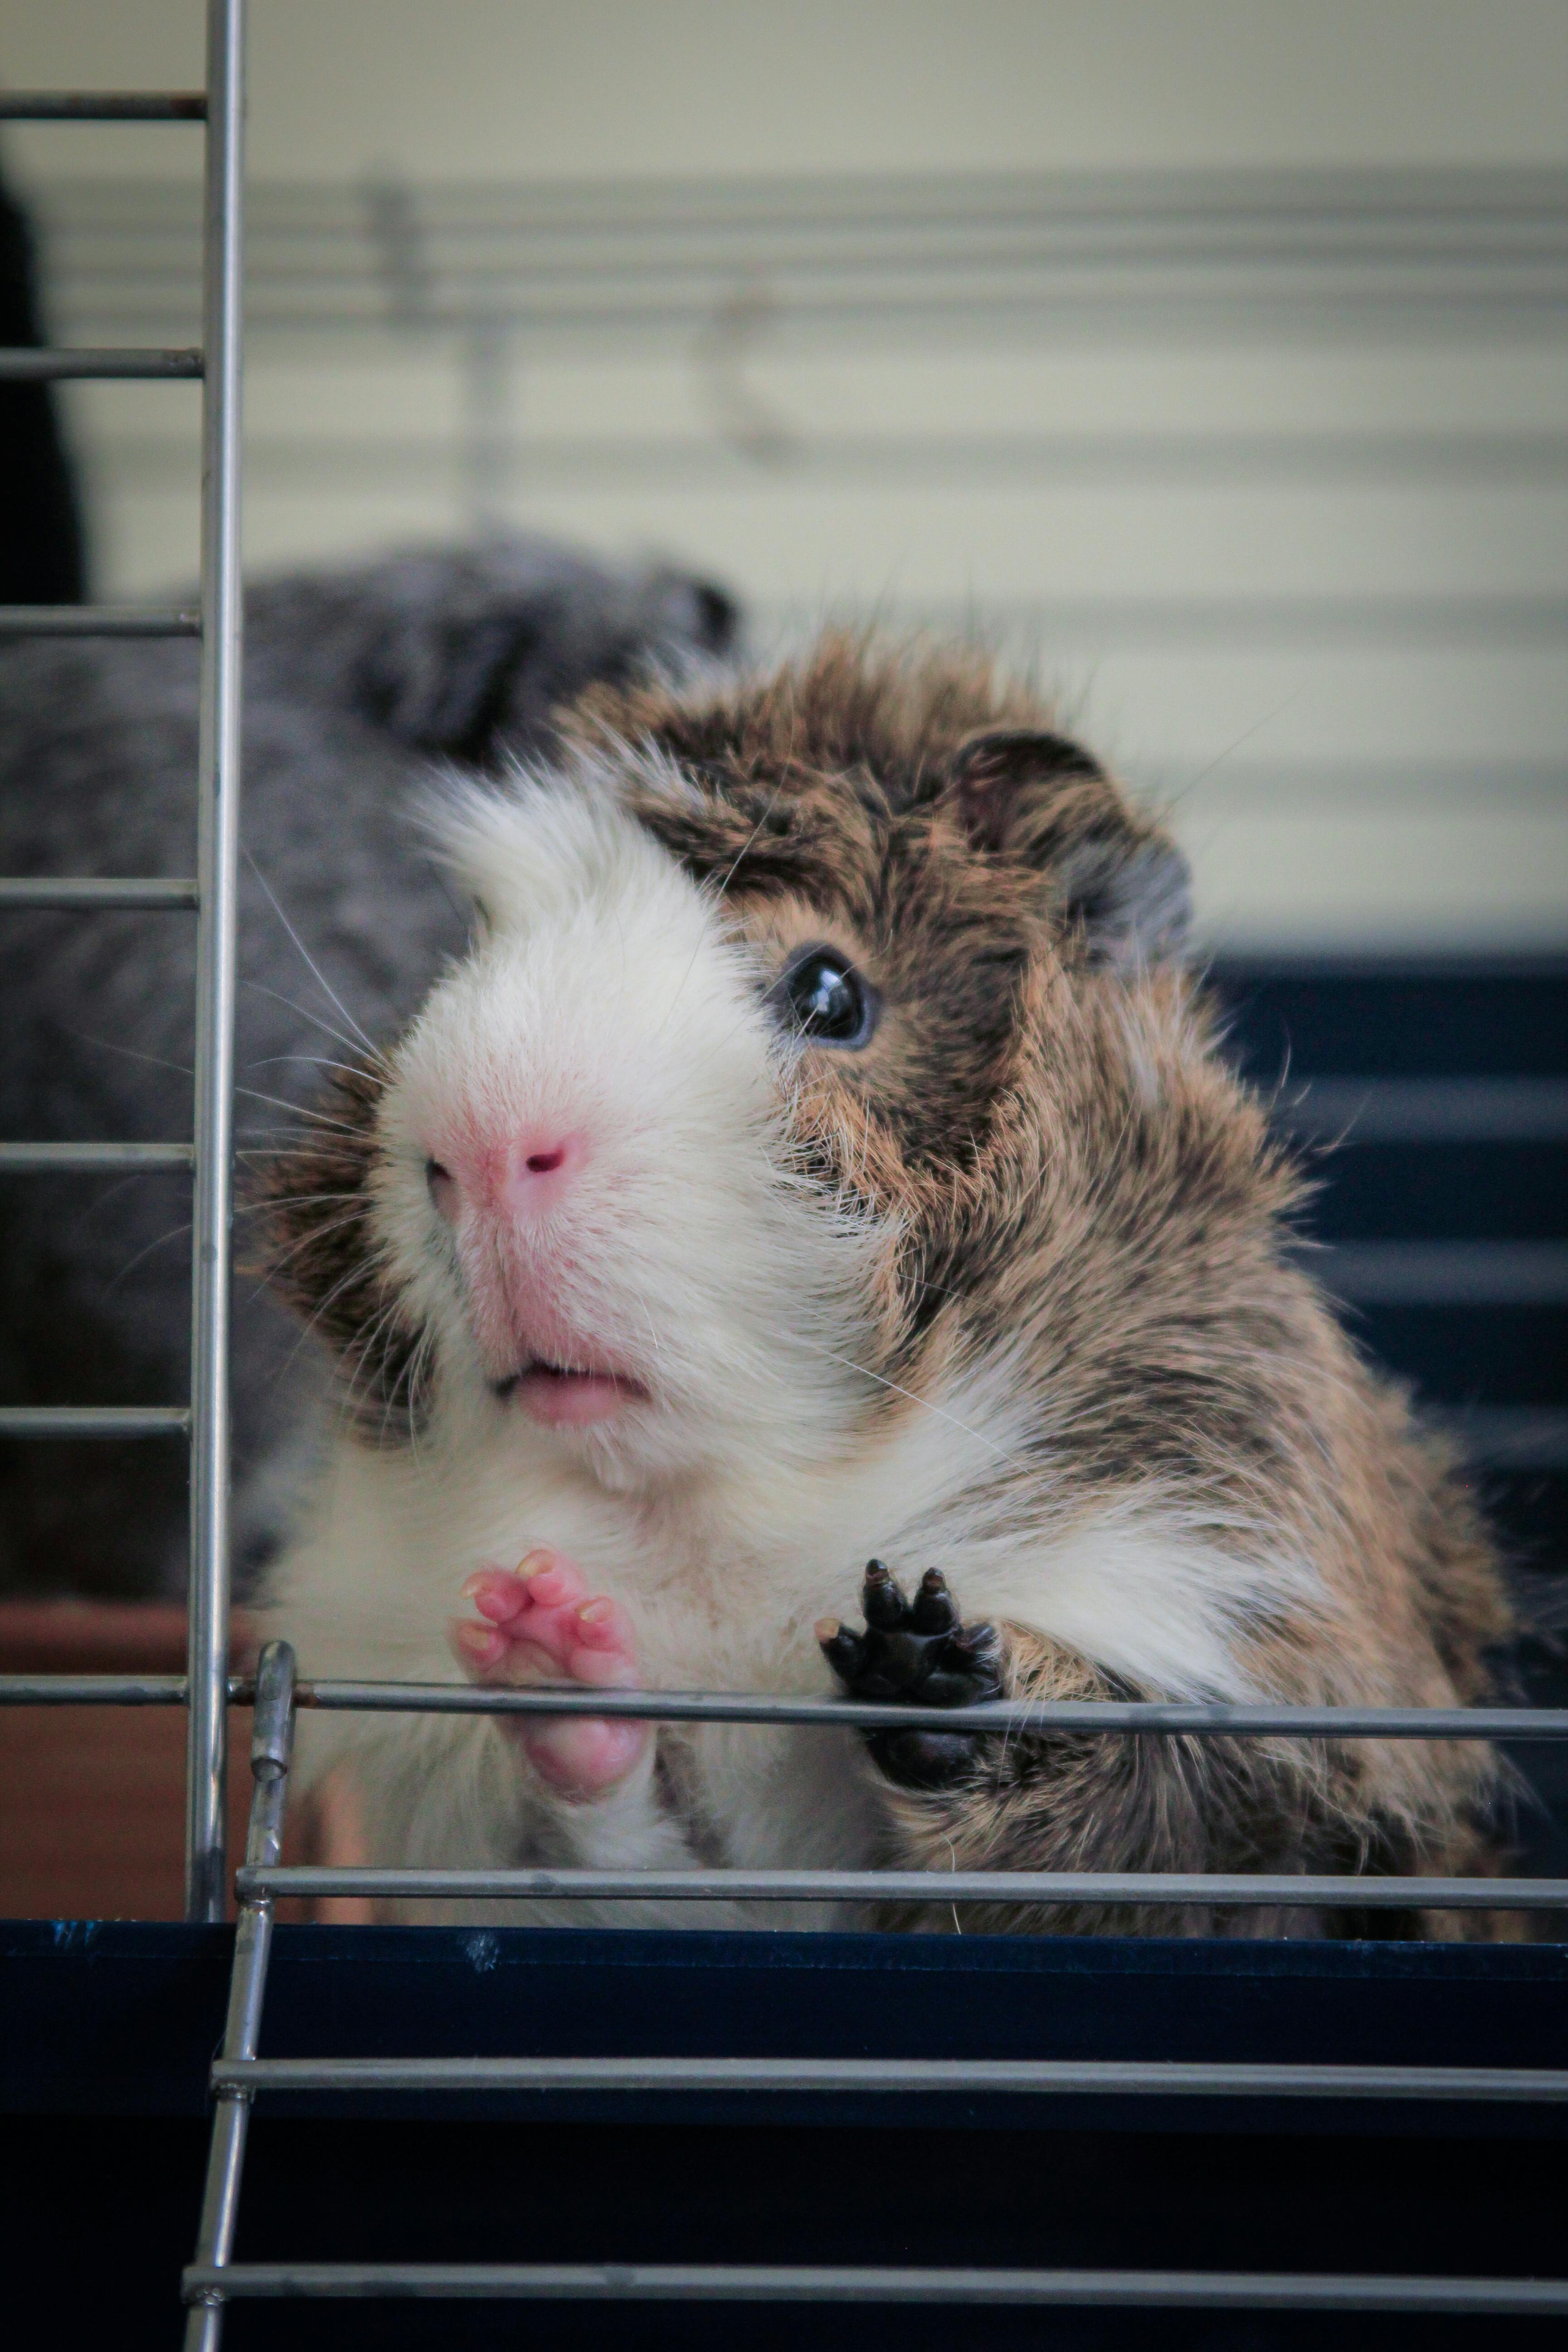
[540, 1623]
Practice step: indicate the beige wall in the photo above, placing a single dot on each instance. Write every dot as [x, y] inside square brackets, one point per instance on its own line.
[1327, 791]
[498, 88]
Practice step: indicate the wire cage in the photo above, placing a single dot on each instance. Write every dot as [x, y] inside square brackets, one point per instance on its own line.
[586, 267]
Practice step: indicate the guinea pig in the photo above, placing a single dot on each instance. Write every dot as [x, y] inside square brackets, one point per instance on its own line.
[824, 1155]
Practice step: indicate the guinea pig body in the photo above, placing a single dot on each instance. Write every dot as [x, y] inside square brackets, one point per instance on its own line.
[822, 1155]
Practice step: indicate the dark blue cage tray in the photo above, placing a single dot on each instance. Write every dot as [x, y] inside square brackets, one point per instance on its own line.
[108, 2031]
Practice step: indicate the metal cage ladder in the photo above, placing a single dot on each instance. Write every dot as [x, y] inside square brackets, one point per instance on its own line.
[212, 893]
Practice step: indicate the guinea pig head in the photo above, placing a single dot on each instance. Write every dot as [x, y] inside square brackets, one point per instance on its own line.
[583, 1186]
[743, 1105]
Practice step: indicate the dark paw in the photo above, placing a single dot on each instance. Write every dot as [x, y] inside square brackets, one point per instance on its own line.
[918, 1654]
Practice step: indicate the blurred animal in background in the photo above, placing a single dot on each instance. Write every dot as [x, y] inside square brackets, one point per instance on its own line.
[354, 681]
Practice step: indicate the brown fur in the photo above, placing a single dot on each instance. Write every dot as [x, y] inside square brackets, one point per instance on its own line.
[1076, 1177]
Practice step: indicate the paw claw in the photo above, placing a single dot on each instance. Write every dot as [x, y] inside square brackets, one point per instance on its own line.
[881, 1602]
[934, 1610]
[844, 1651]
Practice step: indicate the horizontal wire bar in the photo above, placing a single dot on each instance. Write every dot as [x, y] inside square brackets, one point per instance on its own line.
[97, 621]
[798, 457]
[1357, 623]
[1445, 1273]
[1057, 2076]
[1411, 202]
[1107, 1719]
[94, 1420]
[667, 266]
[1132, 1888]
[109, 106]
[37, 1159]
[92, 1690]
[824, 2283]
[989, 1715]
[1244, 318]
[1437, 784]
[89, 891]
[18, 366]
[1430, 1110]
[1503, 1437]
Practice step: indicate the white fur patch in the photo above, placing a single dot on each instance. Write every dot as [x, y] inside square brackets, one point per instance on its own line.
[1149, 1587]
[609, 1000]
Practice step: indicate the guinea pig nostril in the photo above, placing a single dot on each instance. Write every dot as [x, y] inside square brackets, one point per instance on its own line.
[438, 1182]
[545, 1163]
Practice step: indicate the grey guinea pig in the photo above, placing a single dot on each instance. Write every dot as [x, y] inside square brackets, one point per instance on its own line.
[354, 681]
[824, 1154]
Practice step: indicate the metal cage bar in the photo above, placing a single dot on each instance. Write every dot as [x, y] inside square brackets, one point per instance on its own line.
[94, 1420]
[98, 621]
[90, 893]
[1141, 1717]
[272, 1737]
[821, 2282]
[86, 367]
[1102, 1718]
[90, 1159]
[218, 771]
[962, 2077]
[103, 106]
[1113, 1889]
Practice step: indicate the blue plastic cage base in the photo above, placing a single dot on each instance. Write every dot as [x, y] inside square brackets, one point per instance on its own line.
[108, 2031]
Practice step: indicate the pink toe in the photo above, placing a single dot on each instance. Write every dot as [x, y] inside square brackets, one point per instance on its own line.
[604, 1626]
[478, 1646]
[602, 1648]
[557, 1586]
[497, 1594]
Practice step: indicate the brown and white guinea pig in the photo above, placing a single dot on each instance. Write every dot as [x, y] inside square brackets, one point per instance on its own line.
[822, 1155]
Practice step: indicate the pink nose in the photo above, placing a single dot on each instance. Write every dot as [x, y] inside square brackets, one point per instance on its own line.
[524, 1177]
[537, 1170]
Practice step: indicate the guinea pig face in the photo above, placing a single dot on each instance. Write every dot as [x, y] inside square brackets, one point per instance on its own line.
[746, 1124]
[583, 1191]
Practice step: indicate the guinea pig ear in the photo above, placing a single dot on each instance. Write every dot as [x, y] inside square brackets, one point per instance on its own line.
[440, 680]
[1131, 897]
[995, 776]
[1122, 886]
[472, 654]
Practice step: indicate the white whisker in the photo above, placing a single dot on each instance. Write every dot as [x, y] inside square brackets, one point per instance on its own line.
[311, 964]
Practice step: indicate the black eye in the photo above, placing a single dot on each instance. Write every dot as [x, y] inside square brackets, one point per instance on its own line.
[826, 999]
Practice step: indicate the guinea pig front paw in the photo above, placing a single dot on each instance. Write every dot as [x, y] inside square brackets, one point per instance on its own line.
[919, 1654]
[539, 1622]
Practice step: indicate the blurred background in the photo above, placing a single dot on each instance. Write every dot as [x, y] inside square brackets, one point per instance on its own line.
[1207, 357]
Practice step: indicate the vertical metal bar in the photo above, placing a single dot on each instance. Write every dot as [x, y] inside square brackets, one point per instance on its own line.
[272, 1739]
[218, 856]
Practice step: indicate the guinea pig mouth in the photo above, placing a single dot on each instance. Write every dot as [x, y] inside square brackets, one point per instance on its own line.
[563, 1399]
